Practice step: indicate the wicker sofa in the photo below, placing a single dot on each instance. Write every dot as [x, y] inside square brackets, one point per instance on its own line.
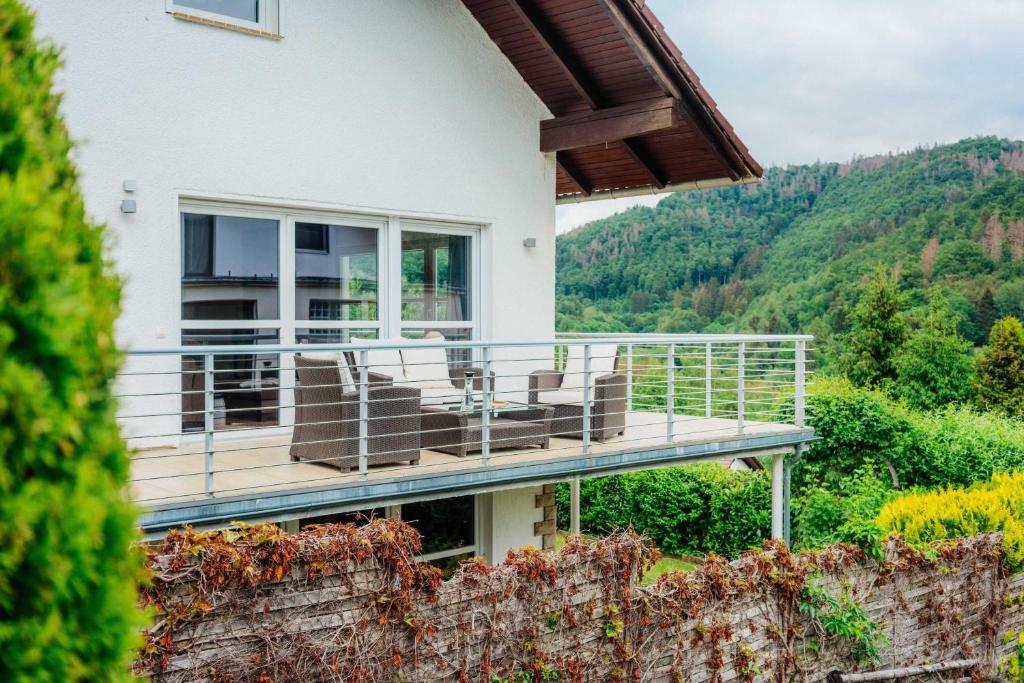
[327, 419]
[563, 391]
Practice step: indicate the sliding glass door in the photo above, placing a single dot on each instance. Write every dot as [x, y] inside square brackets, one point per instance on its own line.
[258, 276]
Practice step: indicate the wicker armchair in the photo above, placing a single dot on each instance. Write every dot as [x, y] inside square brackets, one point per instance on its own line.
[608, 400]
[327, 419]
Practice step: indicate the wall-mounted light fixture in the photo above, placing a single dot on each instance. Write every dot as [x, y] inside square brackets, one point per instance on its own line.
[128, 205]
[530, 242]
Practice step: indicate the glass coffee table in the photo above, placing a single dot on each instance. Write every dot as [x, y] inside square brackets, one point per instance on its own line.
[450, 429]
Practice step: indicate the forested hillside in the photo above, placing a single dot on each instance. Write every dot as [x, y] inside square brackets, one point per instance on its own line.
[791, 253]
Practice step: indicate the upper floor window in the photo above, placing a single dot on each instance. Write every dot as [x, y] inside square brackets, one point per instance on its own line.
[257, 15]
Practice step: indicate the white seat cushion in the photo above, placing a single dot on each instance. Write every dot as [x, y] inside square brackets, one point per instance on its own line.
[562, 397]
[602, 362]
[429, 367]
[382, 361]
[347, 381]
[436, 396]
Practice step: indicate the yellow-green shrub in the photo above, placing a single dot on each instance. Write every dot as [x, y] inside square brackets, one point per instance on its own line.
[994, 505]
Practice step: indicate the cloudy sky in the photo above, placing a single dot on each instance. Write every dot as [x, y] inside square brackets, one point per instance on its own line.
[803, 80]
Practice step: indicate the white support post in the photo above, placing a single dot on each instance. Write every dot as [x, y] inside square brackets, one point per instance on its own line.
[740, 386]
[208, 422]
[364, 415]
[800, 382]
[778, 494]
[670, 394]
[587, 393]
[485, 414]
[574, 506]
[787, 492]
[707, 380]
[629, 378]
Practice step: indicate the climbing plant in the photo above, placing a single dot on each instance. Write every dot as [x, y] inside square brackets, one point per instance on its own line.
[348, 603]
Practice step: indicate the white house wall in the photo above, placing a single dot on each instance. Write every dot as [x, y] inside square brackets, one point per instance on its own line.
[388, 107]
[507, 521]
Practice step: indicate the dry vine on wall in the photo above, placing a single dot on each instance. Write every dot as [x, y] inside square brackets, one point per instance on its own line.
[347, 603]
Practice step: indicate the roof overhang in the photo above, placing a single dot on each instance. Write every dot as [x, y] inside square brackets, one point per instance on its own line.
[629, 115]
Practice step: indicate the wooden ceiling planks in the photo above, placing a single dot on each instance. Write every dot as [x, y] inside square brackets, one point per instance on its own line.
[590, 55]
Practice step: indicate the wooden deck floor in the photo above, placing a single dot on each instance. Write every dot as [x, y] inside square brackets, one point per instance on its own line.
[254, 466]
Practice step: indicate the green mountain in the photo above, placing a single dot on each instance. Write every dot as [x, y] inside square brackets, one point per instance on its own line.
[790, 253]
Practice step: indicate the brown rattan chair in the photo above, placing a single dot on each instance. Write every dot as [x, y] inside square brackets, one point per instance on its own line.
[608, 402]
[327, 419]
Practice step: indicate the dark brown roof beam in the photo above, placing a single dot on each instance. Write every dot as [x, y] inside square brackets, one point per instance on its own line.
[652, 61]
[573, 174]
[611, 124]
[645, 162]
[554, 46]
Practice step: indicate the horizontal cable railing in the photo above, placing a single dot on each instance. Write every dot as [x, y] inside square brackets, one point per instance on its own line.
[228, 420]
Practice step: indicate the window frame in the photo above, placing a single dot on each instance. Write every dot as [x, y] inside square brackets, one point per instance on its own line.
[268, 11]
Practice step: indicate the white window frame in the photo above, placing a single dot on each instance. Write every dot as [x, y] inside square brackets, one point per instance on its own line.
[269, 16]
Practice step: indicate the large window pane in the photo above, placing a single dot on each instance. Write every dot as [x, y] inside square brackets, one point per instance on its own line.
[245, 385]
[335, 272]
[229, 268]
[247, 10]
[435, 276]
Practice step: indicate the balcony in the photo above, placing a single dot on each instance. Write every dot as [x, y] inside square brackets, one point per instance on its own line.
[256, 431]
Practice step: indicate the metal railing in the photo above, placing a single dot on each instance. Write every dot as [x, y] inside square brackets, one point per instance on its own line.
[228, 420]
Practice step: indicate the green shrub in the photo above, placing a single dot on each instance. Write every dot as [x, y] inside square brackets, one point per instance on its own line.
[955, 445]
[962, 446]
[68, 576]
[824, 515]
[692, 509]
[855, 426]
[1000, 383]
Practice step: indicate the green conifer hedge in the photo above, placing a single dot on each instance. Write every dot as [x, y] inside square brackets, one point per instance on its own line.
[68, 576]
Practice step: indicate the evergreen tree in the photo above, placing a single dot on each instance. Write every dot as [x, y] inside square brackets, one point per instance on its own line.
[68, 575]
[1000, 382]
[935, 367]
[878, 332]
[986, 314]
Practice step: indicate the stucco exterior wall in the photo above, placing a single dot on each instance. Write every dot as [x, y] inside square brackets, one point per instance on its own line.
[507, 520]
[386, 107]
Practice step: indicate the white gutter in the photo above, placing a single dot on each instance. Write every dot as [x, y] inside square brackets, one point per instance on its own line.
[653, 190]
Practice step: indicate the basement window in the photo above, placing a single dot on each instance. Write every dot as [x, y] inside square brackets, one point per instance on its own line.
[253, 16]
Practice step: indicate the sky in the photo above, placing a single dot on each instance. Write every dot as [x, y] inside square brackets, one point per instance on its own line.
[809, 80]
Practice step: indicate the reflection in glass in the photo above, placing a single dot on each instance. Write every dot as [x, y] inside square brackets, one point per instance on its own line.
[435, 276]
[229, 268]
[245, 385]
[335, 272]
[326, 336]
[247, 10]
